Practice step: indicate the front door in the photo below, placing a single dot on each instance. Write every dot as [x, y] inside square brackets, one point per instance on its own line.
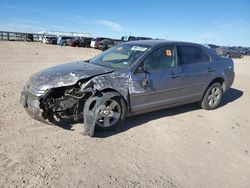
[155, 81]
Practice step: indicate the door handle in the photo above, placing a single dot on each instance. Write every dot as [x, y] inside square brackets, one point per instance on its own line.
[211, 69]
[173, 75]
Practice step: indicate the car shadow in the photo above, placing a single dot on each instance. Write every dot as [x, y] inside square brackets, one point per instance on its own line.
[139, 120]
[231, 95]
[66, 124]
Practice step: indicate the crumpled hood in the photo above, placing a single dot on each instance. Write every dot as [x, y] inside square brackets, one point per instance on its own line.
[66, 74]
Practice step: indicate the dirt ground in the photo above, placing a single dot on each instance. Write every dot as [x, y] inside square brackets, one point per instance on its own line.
[179, 147]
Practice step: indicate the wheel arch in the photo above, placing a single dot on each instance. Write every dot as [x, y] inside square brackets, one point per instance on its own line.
[124, 102]
[219, 80]
[205, 104]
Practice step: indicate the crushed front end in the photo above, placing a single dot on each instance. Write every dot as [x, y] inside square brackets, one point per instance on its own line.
[30, 100]
[52, 105]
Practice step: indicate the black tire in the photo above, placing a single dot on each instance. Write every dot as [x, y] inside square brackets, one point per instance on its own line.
[228, 55]
[212, 97]
[98, 108]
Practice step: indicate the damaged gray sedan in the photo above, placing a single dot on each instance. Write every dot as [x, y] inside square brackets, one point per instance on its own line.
[128, 79]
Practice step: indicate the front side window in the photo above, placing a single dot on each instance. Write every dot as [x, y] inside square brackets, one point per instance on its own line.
[190, 54]
[162, 58]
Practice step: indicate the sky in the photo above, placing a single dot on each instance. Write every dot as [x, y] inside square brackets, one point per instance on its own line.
[221, 22]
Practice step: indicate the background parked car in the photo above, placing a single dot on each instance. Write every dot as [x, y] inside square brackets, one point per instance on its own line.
[51, 40]
[82, 42]
[128, 38]
[30, 38]
[95, 42]
[45, 39]
[106, 44]
[244, 51]
[62, 40]
[133, 38]
[237, 52]
[68, 42]
[229, 52]
[92, 43]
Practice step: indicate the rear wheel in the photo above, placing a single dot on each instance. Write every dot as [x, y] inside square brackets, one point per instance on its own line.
[228, 55]
[212, 97]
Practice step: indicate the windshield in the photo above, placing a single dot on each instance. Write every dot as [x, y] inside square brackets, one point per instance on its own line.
[120, 56]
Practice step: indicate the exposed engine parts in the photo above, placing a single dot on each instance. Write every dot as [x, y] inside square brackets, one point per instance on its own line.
[63, 103]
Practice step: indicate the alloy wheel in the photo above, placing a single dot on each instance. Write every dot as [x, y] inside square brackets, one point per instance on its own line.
[214, 96]
[108, 114]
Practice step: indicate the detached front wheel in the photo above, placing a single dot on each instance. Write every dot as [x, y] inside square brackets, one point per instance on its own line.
[212, 97]
[104, 111]
[109, 114]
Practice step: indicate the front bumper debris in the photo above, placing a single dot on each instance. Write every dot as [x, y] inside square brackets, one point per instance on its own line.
[32, 106]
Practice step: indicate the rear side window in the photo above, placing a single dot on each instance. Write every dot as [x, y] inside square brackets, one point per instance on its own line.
[190, 54]
[206, 58]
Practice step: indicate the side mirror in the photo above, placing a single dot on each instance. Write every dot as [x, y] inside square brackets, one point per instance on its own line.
[141, 69]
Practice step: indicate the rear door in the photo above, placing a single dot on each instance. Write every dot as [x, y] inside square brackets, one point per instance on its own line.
[155, 81]
[196, 71]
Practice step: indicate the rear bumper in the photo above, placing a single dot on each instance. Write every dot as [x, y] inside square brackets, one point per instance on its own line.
[230, 81]
[32, 106]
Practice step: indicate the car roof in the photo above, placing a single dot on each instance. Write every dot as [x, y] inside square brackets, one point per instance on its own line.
[153, 43]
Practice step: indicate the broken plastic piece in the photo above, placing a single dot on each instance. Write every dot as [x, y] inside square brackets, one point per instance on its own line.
[91, 110]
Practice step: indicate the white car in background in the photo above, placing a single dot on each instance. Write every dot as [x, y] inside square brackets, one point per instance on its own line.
[45, 39]
[92, 44]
